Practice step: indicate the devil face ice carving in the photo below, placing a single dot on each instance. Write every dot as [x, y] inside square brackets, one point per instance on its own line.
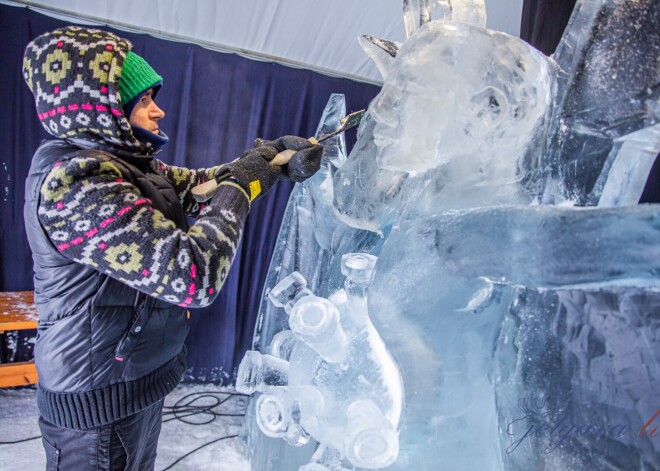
[458, 123]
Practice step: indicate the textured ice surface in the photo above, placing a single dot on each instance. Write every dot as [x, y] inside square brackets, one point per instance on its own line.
[607, 91]
[336, 381]
[524, 328]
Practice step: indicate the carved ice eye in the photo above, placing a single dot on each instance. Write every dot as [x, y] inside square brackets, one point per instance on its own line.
[488, 101]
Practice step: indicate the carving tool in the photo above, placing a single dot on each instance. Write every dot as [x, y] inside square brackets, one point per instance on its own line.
[204, 191]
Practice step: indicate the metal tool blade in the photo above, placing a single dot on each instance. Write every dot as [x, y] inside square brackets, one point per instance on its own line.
[347, 122]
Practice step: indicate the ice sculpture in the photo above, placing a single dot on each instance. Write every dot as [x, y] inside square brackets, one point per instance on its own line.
[329, 376]
[517, 296]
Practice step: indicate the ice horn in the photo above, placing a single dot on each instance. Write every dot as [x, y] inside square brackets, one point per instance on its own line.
[381, 51]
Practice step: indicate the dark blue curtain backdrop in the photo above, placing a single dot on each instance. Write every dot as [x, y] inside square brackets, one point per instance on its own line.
[215, 104]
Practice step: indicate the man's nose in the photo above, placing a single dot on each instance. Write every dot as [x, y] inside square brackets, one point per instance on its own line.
[156, 112]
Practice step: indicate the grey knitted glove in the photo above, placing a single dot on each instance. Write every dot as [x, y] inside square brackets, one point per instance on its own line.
[304, 163]
[253, 172]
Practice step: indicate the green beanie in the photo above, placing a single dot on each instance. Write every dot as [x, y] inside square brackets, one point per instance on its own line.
[137, 77]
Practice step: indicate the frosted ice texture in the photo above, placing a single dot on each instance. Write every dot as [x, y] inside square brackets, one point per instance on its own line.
[523, 328]
[608, 91]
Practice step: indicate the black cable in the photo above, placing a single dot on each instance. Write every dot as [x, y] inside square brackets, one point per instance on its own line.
[20, 441]
[182, 409]
[199, 448]
[186, 407]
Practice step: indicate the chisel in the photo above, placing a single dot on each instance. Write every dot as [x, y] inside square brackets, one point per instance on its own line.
[204, 191]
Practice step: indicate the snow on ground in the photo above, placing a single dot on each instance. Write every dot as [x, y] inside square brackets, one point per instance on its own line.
[18, 420]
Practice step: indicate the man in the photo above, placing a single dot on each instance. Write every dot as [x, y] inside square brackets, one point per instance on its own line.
[115, 262]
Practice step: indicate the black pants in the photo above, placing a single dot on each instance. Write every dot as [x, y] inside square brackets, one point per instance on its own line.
[129, 444]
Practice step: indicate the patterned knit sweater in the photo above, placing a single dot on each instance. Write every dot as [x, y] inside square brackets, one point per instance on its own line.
[96, 218]
[89, 212]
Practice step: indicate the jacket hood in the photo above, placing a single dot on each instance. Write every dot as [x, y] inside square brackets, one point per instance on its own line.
[74, 73]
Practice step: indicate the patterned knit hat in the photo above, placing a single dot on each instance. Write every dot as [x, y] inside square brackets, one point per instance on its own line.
[137, 77]
[74, 75]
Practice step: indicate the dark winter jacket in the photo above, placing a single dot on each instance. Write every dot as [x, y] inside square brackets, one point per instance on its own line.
[115, 264]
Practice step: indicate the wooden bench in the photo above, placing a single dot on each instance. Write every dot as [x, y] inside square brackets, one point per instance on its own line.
[17, 312]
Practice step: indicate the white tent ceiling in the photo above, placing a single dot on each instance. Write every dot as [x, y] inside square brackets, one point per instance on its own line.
[317, 35]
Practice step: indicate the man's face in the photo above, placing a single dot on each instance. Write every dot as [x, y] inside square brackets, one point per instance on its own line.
[146, 113]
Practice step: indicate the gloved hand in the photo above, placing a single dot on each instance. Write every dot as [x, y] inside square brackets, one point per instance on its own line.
[304, 163]
[253, 172]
